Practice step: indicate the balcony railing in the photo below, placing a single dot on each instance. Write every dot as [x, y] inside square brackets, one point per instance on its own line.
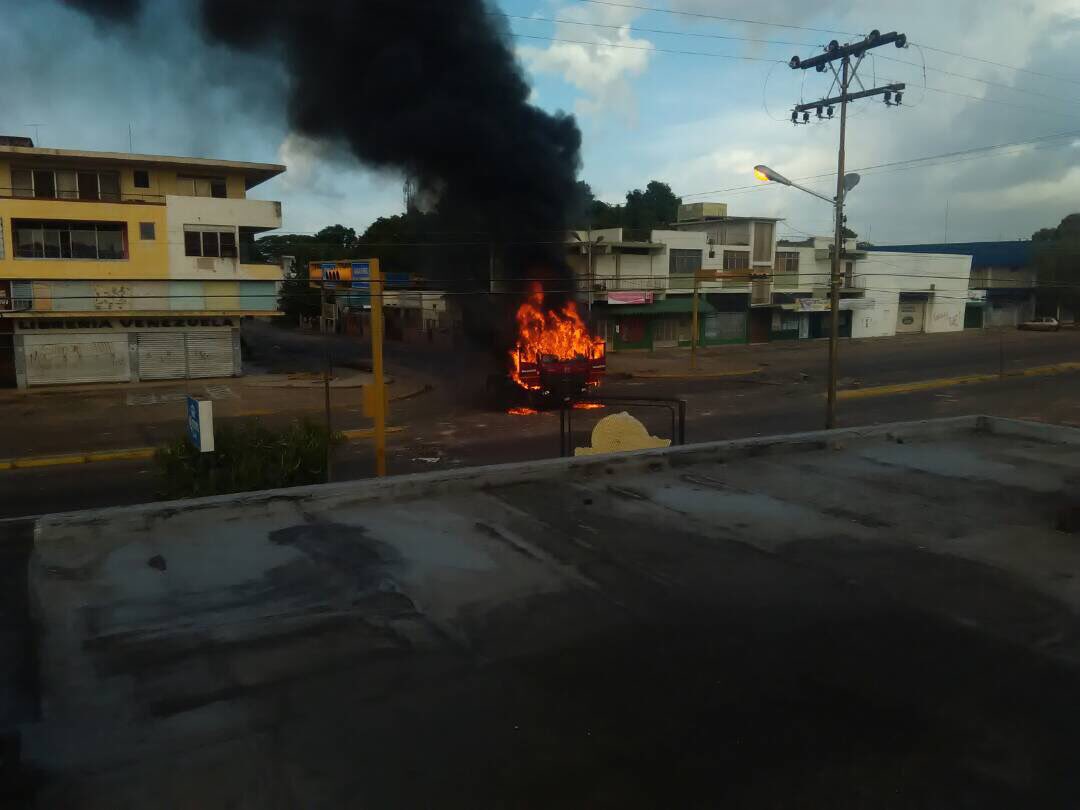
[73, 196]
[250, 254]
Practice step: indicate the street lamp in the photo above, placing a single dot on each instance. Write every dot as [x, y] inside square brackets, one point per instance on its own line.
[765, 174]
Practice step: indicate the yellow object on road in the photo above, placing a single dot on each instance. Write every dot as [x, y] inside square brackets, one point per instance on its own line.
[620, 432]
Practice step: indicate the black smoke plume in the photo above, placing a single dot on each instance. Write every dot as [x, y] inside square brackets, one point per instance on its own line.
[427, 87]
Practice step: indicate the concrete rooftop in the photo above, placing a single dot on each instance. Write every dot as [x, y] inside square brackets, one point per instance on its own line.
[880, 617]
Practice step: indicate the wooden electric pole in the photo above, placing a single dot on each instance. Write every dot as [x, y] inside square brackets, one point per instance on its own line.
[835, 52]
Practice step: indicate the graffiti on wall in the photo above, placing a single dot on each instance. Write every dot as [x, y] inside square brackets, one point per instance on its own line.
[948, 319]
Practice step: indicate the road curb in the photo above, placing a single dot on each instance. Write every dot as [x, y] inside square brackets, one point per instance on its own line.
[950, 382]
[689, 375]
[136, 453]
[28, 462]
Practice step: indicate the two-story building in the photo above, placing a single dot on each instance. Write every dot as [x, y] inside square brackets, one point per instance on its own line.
[639, 291]
[120, 267]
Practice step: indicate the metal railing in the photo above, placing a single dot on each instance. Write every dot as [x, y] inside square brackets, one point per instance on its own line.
[677, 408]
[8, 192]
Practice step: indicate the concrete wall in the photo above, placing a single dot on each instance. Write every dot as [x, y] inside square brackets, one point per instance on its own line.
[209, 211]
[151, 296]
[146, 258]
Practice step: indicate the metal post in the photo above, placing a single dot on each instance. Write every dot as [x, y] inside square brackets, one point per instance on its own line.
[376, 280]
[694, 324]
[562, 429]
[1001, 354]
[834, 295]
[326, 377]
[590, 276]
[682, 421]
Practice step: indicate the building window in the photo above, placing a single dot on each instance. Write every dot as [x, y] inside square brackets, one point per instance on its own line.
[736, 260]
[65, 184]
[141, 178]
[763, 242]
[22, 183]
[787, 261]
[849, 274]
[210, 243]
[69, 240]
[683, 262]
[146, 231]
[734, 233]
[187, 186]
[666, 330]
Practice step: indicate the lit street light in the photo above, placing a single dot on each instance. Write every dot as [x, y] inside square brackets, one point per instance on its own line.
[766, 175]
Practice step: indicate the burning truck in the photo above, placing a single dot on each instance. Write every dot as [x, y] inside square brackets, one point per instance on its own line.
[554, 358]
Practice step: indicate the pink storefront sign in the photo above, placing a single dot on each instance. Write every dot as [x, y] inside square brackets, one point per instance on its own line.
[630, 297]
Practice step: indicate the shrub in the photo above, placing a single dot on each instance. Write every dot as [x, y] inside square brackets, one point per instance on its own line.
[247, 456]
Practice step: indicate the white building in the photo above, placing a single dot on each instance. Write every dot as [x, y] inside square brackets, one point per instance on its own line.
[639, 292]
[911, 292]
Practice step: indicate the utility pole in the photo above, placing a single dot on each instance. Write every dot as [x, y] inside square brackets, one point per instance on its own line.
[835, 52]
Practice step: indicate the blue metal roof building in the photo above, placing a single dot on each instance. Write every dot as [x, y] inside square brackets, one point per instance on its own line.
[1016, 253]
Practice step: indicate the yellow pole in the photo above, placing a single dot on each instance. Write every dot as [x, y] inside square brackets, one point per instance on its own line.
[377, 367]
[694, 325]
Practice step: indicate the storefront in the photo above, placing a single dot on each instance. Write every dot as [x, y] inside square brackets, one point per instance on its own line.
[668, 323]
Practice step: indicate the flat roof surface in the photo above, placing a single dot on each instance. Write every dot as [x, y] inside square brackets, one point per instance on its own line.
[254, 172]
[881, 617]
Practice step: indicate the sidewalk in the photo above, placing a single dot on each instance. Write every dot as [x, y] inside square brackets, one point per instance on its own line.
[785, 358]
[89, 420]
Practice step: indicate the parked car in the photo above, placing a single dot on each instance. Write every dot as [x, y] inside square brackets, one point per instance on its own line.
[1044, 324]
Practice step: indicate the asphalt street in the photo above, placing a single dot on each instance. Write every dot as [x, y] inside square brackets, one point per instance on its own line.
[452, 426]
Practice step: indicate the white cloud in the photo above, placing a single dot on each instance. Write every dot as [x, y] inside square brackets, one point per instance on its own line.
[603, 68]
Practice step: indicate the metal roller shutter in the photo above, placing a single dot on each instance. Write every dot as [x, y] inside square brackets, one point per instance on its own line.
[210, 354]
[162, 356]
[81, 358]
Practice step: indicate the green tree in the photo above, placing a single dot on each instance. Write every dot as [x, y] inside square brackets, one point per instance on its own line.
[1056, 256]
[656, 206]
[653, 207]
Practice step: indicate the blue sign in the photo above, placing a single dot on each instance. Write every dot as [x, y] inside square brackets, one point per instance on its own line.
[200, 419]
[361, 272]
[193, 427]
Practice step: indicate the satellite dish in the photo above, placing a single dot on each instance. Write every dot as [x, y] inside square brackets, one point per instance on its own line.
[850, 181]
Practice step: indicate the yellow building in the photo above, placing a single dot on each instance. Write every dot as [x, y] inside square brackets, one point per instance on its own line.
[118, 267]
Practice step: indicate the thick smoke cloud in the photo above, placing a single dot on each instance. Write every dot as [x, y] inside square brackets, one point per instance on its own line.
[112, 10]
[428, 87]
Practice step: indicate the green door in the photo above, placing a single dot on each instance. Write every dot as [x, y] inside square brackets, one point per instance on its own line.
[973, 316]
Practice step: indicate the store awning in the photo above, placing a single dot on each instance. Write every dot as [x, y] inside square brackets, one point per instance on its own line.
[683, 305]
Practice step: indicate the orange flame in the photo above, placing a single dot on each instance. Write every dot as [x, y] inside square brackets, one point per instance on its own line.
[558, 333]
[522, 411]
[588, 406]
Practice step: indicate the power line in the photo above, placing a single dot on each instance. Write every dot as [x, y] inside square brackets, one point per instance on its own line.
[960, 152]
[668, 32]
[701, 15]
[639, 30]
[652, 49]
[1002, 85]
[999, 64]
[648, 48]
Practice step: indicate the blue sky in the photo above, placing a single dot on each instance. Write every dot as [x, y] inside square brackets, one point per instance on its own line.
[698, 122]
